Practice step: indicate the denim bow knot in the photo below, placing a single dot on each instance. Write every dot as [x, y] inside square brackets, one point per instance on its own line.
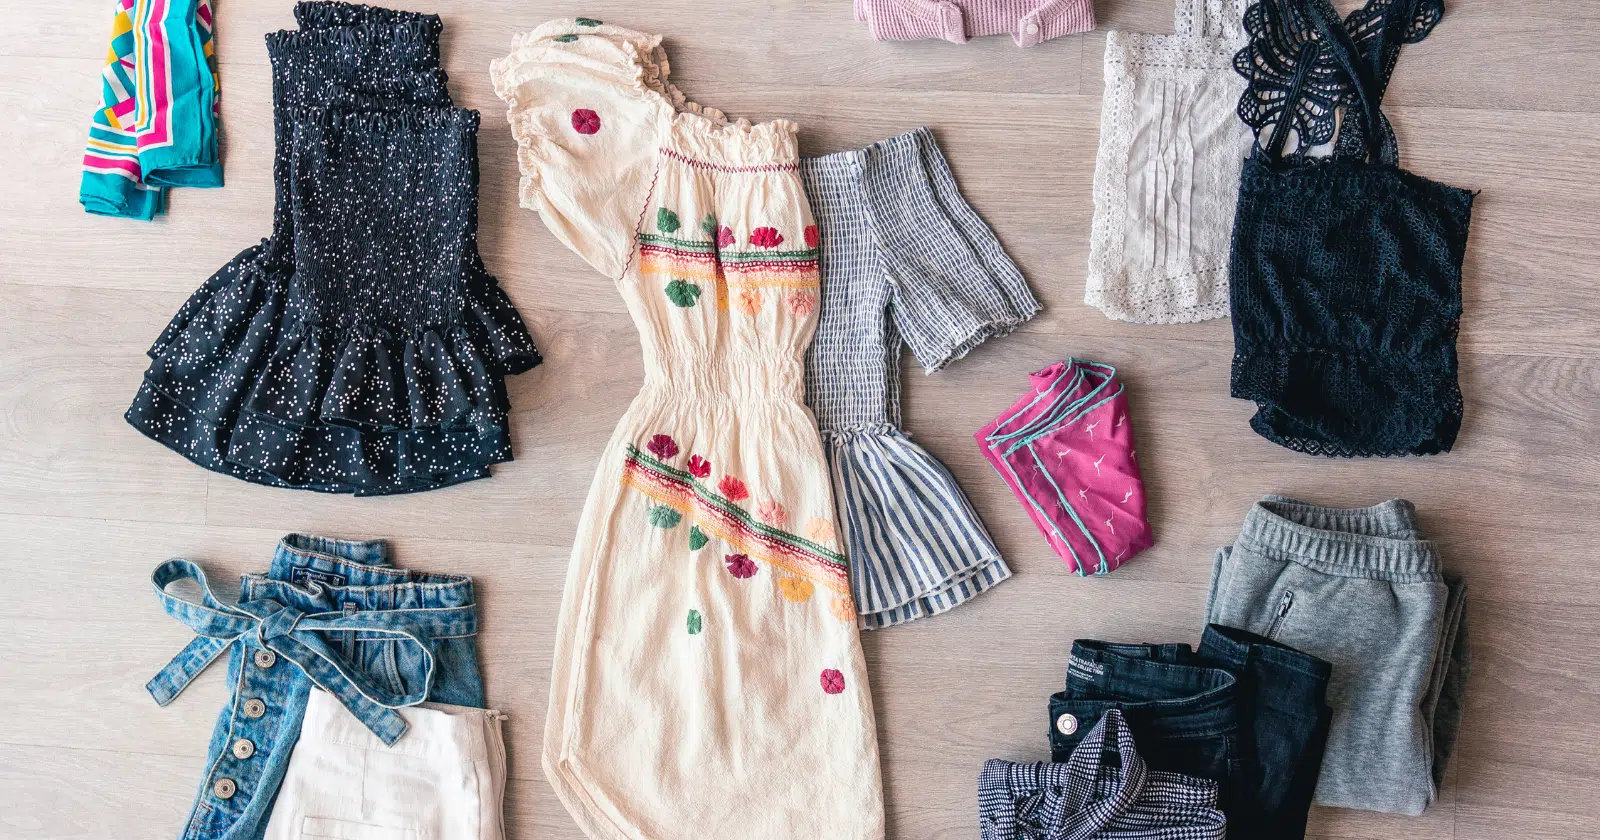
[295, 636]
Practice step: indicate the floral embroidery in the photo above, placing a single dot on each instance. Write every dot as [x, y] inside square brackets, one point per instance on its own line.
[699, 467]
[749, 302]
[802, 304]
[733, 488]
[683, 293]
[708, 225]
[796, 589]
[566, 39]
[725, 237]
[832, 681]
[843, 609]
[716, 516]
[585, 121]
[694, 622]
[766, 237]
[812, 237]
[820, 530]
[662, 516]
[772, 513]
[741, 566]
[587, 22]
[662, 446]
[667, 220]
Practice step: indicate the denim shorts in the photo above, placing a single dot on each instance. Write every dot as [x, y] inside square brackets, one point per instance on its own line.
[1242, 711]
[328, 613]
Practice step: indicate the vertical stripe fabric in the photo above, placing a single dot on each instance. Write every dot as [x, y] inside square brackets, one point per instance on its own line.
[905, 262]
[156, 126]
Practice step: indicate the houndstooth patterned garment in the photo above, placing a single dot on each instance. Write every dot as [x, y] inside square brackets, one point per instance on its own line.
[1086, 798]
[905, 261]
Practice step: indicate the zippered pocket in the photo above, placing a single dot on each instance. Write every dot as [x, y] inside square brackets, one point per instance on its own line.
[1285, 604]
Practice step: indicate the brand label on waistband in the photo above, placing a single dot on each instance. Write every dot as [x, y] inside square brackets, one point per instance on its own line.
[303, 575]
[1084, 669]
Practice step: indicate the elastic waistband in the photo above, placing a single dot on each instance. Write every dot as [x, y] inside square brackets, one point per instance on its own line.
[1381, 542]
[748, 379]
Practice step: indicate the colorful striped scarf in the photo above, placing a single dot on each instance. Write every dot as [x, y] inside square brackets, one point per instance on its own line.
[157, 122]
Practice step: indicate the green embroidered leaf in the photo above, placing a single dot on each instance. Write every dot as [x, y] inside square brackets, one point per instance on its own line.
[709, 225]
[667, 220]
[665, 517]
[566, 39]
[588, 22]
[697, 538]
[683, 293]
[694, 622]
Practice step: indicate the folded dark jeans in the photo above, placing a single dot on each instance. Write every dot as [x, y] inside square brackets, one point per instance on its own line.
[1243, 711]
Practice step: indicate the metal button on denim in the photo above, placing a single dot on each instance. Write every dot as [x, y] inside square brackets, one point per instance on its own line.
[254, 708]
[1067, 724]
[265, 658]
[243, 748]
[225, 788]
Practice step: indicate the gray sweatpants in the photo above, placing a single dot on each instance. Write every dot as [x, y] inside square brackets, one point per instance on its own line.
[1364, 590]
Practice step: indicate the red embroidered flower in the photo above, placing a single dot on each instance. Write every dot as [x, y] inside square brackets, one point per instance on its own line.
[699, 467]
[741, 567]
[662, 446]
[725, 236]
[811, 236]
[832, 681]
[766, 237]
[585, 121]
[733, 488]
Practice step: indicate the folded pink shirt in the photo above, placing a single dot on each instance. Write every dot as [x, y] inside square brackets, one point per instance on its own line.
[1027, 21]
[1066, 451]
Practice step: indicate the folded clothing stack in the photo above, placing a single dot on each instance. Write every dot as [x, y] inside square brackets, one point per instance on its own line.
[1066, 450]
[366, 673]
[1242, 711]
[363, 347]
[1364, 590]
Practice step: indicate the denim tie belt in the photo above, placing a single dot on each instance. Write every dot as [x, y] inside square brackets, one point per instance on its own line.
[296, 636]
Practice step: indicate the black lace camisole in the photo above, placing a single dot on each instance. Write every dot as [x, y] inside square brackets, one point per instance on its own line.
[1346, 269]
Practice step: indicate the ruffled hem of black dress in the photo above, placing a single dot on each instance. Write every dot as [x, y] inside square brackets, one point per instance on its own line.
[242, 383]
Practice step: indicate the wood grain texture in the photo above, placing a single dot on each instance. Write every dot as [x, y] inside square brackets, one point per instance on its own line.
[1499, 99]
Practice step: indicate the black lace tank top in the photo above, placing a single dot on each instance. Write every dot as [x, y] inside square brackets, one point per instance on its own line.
[1346, 269]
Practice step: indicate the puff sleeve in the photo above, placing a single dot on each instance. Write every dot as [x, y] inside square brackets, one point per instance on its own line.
[587, 128]
[953, 286]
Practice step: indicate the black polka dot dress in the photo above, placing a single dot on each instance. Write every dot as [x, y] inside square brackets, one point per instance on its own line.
[361, 348]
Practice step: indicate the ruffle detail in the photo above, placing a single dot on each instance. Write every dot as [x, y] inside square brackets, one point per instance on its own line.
[357, 350]
[322, 14]
[916, 546]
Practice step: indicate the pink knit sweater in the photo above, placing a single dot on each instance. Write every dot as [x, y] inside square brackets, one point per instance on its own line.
[1027, 21]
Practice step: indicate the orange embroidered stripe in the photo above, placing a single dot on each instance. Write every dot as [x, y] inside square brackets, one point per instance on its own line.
[726, 521]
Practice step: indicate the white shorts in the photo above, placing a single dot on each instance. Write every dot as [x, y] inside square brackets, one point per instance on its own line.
[445, 779]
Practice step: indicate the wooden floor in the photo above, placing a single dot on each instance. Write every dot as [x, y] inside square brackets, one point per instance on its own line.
[1501, 98]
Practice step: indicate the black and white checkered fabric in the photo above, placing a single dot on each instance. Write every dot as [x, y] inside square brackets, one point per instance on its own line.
[1088, 798]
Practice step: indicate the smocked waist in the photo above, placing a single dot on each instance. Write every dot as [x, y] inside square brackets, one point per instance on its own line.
[742, 378]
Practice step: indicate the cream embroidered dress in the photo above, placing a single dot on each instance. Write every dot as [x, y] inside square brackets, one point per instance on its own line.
[708, 678]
